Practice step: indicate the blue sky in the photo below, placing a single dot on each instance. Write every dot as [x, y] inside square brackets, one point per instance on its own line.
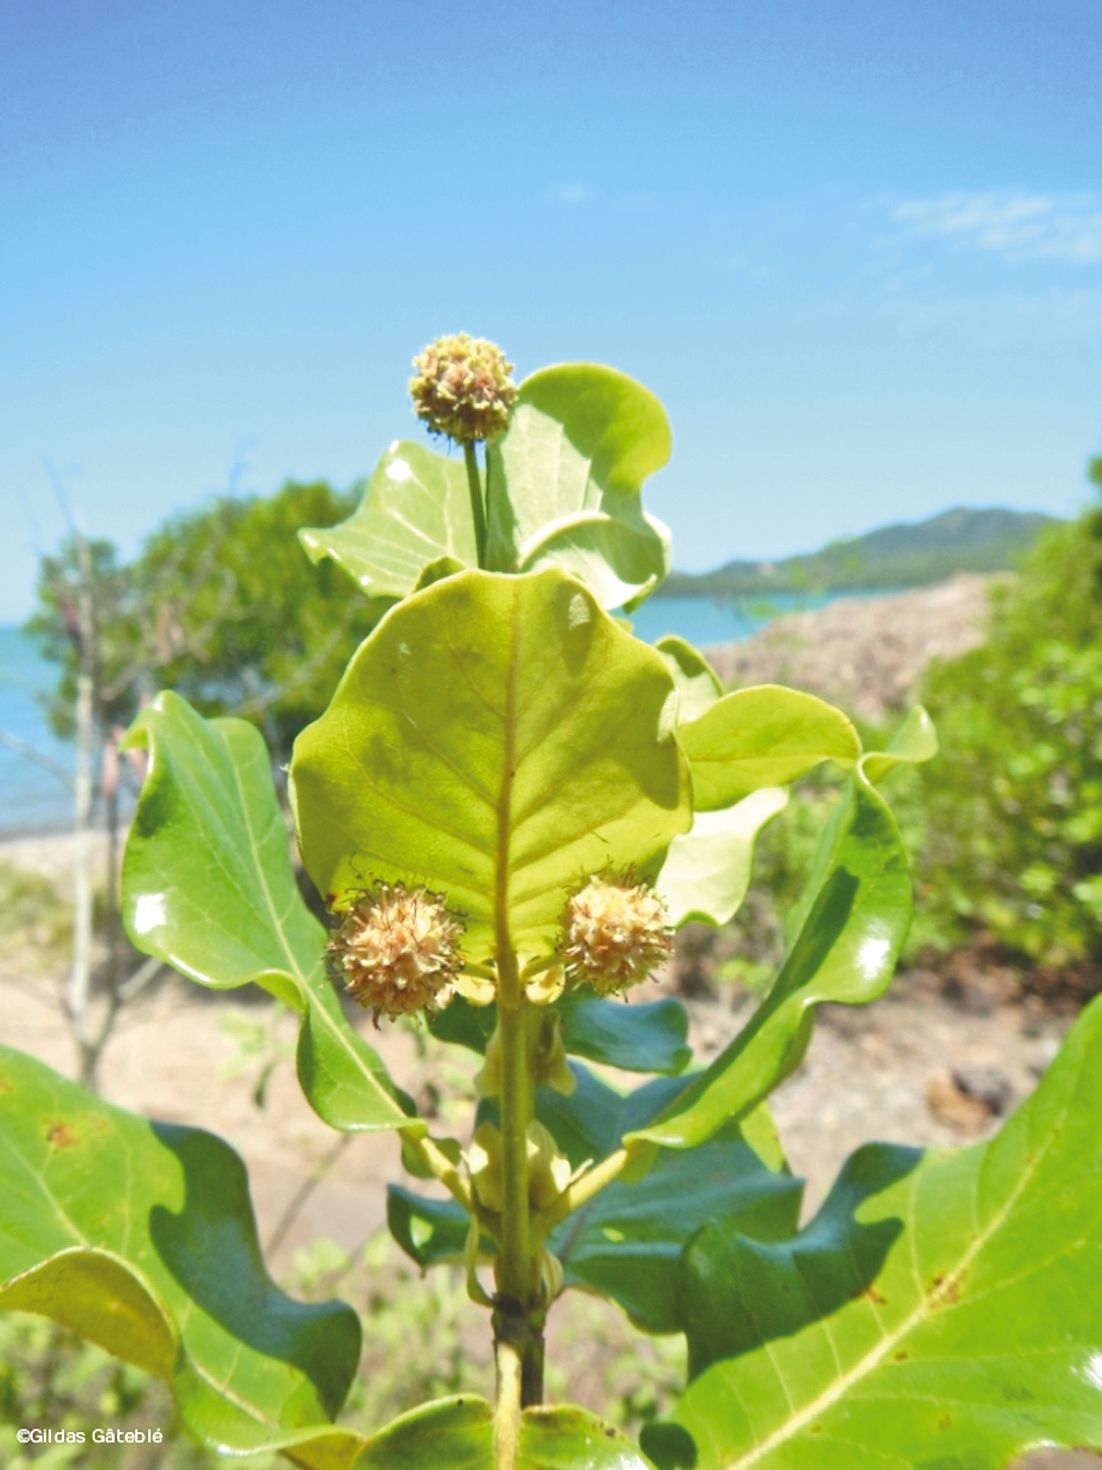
[854, 245]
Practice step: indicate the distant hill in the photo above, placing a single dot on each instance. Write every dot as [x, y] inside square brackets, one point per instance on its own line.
[910, 554]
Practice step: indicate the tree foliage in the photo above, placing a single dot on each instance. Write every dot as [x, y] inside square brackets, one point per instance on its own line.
[220, 604]
[1014, 817]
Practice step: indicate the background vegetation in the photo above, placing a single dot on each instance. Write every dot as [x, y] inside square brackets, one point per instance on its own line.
[1006, 824]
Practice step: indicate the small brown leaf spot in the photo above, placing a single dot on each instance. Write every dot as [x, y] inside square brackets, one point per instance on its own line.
[945, 1422]
[60, 1135]
[5, 1084]
[610, 1433]
[873, 1295]
[901, 1357]
[945, 1290]
[815, 1429]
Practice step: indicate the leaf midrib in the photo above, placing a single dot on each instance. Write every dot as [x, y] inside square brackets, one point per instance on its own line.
[502, 875]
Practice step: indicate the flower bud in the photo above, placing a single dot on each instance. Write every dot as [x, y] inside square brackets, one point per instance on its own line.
[463, 388]
[614, 934]
[397, 950]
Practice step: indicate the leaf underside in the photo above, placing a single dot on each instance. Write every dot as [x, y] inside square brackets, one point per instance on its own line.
[208, 887]
[477, 746]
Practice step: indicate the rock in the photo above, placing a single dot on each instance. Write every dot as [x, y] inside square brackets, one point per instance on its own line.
[955, 1108]
[987, 1085]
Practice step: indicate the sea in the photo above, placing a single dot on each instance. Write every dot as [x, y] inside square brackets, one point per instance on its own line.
[36, 766]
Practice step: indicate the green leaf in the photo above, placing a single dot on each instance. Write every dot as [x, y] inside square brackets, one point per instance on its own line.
[565, 482]
[648, 1036]
[454, 1434]
[207, 887]
[140, 1236]
[645, 1036]
[560, 1437]
[914, 742]
[707, 869]
[639, 1037]
[430, 1231]
[478, 746]
[944, 1308]
[845, 951]
[457, 1434]
[697, 683]
[764, 736]
[414, 521]
[625, 1243]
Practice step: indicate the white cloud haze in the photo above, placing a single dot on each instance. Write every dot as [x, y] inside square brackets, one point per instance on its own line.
[1014, 224]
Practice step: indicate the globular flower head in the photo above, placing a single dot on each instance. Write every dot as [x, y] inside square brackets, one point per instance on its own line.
[396, 950]
[614, 934]
[463, 388]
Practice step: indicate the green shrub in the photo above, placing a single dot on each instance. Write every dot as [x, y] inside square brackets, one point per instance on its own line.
[1013, 848]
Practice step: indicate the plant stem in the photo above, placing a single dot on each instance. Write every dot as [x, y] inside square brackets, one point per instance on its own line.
[507, 1409]
[517, 1097]
[518, 1310]
[478, 511]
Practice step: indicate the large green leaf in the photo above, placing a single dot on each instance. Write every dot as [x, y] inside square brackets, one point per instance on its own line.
[496, 739]
[845, 951]
[565, 480]
[941, 1310]
[140, 1236]
[763, 736]
[706, 872]
[416, 513]
[208, 887]
[625, 1243]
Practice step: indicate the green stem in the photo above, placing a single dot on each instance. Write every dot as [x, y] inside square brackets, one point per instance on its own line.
[478, 512]
[510, 1376]
[517, 1097]
[489, 488]
[518, 1309]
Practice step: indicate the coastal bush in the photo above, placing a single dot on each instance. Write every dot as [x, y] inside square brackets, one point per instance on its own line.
[507, 808]
[1014, 816]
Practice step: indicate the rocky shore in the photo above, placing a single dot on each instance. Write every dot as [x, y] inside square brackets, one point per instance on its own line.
[865, 653]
